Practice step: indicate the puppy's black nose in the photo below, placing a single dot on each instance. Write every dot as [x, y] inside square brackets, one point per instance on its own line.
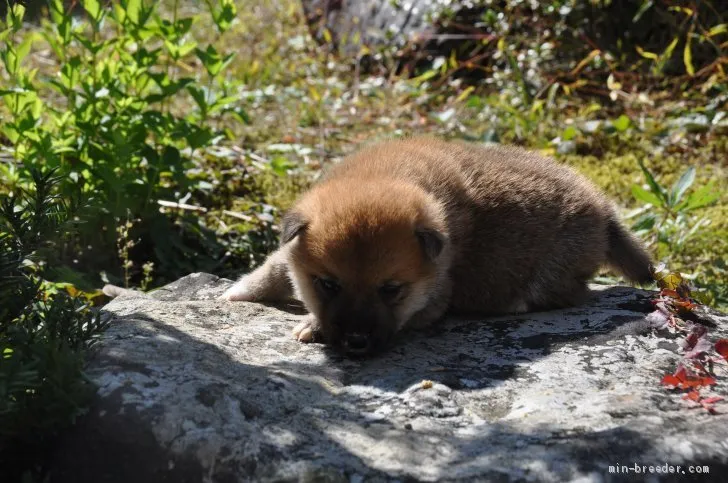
[356, 342]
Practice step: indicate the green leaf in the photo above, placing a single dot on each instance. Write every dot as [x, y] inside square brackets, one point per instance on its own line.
[61, 20]
[212, 60]
[646, 54]
[169, 89]
[199, 137]
[568, 133]
[679, 188]
[145, 12]
[688, 57]
[171, 158]
[15, 52]
[622, 123]
[239, 113]
[177, 51]
[667, 54]
[200, 98]
[474, 102]
[118, 13]
[645, 196]
[25, 45]
[699, 198]
[645, 222]
[14, 16]
[280, 165]
[225, 16]
[133, 7]
[93, 8]
[10, 59]
[718, 29]
[182, 26]
[652, 182]
[646, 5]
[93, 47]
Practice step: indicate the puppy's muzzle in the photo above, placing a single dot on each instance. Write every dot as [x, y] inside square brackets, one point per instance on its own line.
[357, 343]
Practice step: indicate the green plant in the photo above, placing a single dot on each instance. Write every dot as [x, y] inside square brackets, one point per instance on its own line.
[668, 219]
[106, 114]
[44, 334]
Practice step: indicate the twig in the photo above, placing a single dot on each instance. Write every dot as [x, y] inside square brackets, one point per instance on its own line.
[183, 206]
[240, 216]
[256, 157]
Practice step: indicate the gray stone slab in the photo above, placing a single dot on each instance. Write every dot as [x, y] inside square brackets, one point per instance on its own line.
[194, 389]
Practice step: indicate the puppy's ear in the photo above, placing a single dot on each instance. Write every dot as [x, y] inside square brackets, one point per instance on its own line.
[293, 225]
[431, 241]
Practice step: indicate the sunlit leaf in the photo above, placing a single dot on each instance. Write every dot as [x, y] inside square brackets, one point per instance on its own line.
[718, 29]
[327, 36]
[585, 61]
[645, 196]
[652, 182]
[699, 198]
[213, 61]
[646, 5]
[668, 280]
[679, 188]
[645, 54]
[622, 123]
[224, 15]
[667, 53]
[688, 57]
[687, 11]
[569, 133]
[465, 94]
[133, 8]
[93, 7]
[15, 14]
[280, 165]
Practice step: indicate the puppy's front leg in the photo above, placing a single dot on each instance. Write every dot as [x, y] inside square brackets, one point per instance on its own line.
[307, 330]
[269, 282]
[436, 307]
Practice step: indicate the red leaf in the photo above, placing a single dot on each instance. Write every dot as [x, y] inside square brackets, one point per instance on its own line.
[686, 304]
[683, 380]
[707, 381]
[670, 380]
[698, 381]
[721, 347]
[692, 395]
[712, 400]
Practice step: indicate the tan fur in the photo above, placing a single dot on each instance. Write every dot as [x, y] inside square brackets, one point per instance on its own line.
[512, 231]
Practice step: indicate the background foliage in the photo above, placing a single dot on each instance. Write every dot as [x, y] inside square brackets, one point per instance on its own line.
[44, 332]
[187, 127]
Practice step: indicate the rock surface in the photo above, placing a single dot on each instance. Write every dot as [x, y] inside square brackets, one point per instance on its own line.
[352, 23]
[194, 389]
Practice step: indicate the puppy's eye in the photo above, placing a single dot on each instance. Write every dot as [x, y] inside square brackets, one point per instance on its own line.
[390, 291]
[327, 286]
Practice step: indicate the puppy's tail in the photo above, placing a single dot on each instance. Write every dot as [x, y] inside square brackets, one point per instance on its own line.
[627, 255]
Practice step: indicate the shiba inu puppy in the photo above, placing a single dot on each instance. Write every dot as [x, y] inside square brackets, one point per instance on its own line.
[404, 231]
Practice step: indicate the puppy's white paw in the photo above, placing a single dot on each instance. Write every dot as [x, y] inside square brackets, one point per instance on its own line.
[240, 291]
[304, 332]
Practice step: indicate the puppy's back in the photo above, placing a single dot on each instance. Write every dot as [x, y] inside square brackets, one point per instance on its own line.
[526, 232]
